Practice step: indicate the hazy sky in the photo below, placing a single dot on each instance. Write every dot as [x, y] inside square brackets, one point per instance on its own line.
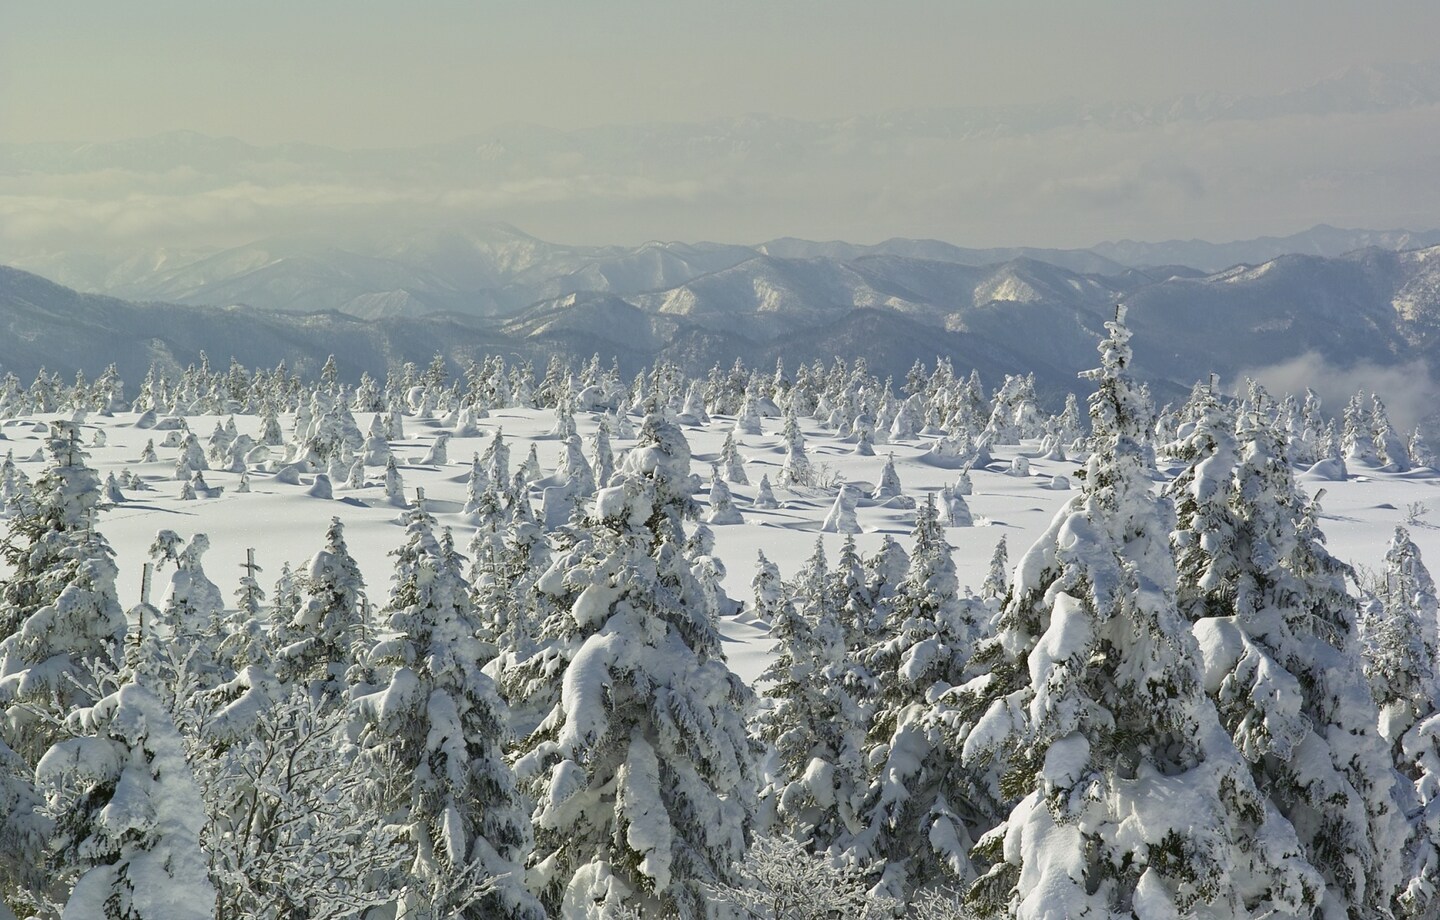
[360, 73]
[363, 74]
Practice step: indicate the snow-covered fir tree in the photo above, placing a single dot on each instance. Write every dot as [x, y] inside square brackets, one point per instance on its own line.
[1132, 797]
[128, 814]
[316, 647]
[642, 771]
[722, 504]
[997, 576]
[732, 462]
[1281, 658]
[1401, 664]
[438, 716]
[764, 496]
[24, 830]
[767, 590]
[58, 609]
[813, 724]
[923, 809]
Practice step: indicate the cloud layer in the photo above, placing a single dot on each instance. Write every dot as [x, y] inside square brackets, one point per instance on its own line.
[1027, 176]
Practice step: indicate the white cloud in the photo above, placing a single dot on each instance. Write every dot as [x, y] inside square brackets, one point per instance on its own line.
[1409, 391]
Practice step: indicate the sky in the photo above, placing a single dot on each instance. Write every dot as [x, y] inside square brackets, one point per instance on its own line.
[367, 74]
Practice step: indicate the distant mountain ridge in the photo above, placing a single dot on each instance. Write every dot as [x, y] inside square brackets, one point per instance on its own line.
[495, 270]
[1372, 306]
[1320, 240]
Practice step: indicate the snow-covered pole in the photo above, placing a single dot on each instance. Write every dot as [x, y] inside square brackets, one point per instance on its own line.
[249, 565]
[145, 576]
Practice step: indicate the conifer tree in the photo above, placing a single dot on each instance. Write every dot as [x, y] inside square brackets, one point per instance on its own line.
[1132, 796]
[23, 833]
[439, 717]
[997, 577]
[1401, 663]
[731, 461]
[58, 608]
[394, 484]
[191, 614]
[248, 640]
[602, 456]
[889, 485]
[317, 646]
[923, 809]
[764, 497]
[1282, 661]
[796, 470]
[722, 505]
[642, 770]
[127, 812]
[841, 517]
[1400, 642]
[768, 590]
[813, 723]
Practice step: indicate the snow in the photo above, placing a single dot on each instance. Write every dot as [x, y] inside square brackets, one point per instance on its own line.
[1067, 760]
[283, 524]
[583, 693]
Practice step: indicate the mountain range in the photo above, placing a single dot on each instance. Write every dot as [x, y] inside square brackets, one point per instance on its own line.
[703, 304]
[495, 270]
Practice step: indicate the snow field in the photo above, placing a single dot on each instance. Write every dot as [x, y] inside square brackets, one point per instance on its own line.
[284, 524]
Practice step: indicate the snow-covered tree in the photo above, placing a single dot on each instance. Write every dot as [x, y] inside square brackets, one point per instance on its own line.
[293, 827]
[1401, 664]
[58, 608]
[796, 470]
[602, 456]
[191, 614]
[841, 518]
[642, 770]
[1358, 437]
[889, 485]
[812, 721]
[394, 484]
[1282, 661]
[732, 462]
[438, 716]
[997, 576]
[1400, 641]
[317, 645]
[128, 814]
[1132, 798]
[783, 880]
[923, 808]
[768, 590]
[722, 504]
[764, 496]
[247, 641]
[23, 832]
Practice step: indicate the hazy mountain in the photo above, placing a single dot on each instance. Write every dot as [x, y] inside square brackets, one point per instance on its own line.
[1077, 260]
[495, 270]
[1321, 240]
[1373, 308]
[43, 324]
